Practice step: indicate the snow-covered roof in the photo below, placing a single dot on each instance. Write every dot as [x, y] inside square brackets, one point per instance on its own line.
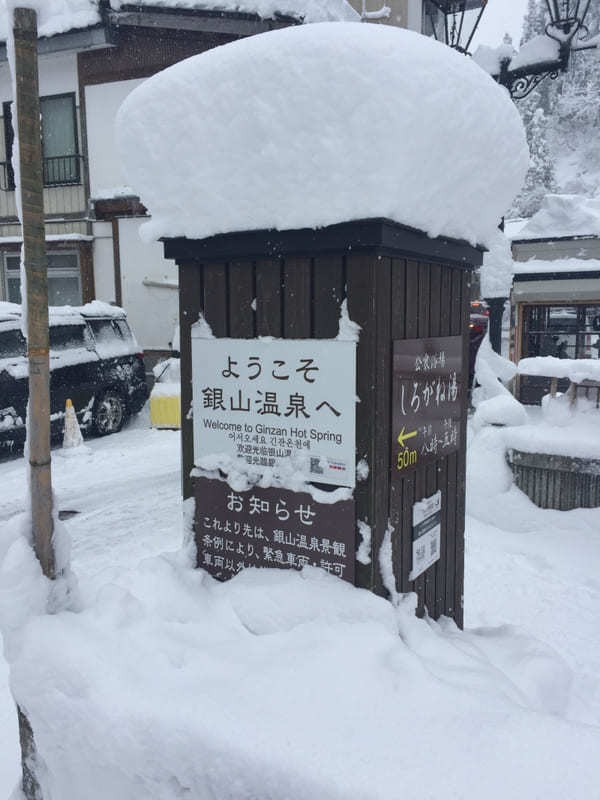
[54, 16]
[566, 265]
[60, 16]
[513, 227]
[563, 215]
[320, 124]
[307, 10]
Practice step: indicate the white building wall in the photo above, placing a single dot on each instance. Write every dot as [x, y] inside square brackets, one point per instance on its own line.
[104, 267]
[149, 286]
[403, 13]
[102, 102]
[57, 75]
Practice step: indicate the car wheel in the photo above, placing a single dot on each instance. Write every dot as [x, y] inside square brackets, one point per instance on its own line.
[109, 413]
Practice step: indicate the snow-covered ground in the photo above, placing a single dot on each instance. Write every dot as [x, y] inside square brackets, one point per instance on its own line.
[515, 718]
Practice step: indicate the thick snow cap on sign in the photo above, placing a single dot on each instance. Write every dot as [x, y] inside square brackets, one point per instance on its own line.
[325, 123]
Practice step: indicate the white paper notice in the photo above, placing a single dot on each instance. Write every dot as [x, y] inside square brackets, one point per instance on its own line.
[427, 530]
[271, 402]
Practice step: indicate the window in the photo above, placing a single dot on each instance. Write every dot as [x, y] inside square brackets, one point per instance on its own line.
[12, 344]
[61, 163]
[59, 140]
[562, 331]
[64, 281]
[67, 337]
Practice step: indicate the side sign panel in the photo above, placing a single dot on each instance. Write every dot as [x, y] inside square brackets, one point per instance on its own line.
[277, 404]
[271, 528]
[427, 531]
[428, 387]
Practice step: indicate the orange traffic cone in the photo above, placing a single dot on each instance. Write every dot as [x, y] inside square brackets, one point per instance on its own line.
[72, 436]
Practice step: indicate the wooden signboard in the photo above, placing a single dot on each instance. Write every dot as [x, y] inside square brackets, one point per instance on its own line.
[428, 391]
[271, 528]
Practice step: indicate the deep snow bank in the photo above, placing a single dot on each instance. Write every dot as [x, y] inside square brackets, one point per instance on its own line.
[281, 684]
[318, 124]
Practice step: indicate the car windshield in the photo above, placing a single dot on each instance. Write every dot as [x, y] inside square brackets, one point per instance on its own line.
[12, 344]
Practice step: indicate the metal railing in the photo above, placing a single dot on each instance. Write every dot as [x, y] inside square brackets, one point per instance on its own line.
[57, 171]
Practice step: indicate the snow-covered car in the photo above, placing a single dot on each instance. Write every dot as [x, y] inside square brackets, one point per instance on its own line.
[94, 361]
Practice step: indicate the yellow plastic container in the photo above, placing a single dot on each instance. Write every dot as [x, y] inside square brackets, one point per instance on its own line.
[165, 411]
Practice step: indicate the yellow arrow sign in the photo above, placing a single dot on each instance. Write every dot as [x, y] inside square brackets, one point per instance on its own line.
[402, 436]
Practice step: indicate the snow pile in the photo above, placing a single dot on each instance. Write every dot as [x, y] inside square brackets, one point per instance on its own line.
[564, 215]
[536, 51]
[301, 133]
[490, 58]
[167, 376]
[497, 268]
[278, 684]
[305, 10]
[54, 16]
[559, 432]
[576, 370]
[494, 404]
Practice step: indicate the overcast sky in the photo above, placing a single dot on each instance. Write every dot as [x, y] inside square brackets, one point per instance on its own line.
[499, 17]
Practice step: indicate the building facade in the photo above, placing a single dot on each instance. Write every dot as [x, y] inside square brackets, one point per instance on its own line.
[92, 216]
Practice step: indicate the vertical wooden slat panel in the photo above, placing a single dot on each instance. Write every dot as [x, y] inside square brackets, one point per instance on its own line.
[443, 474]
[462, 456]
[241, 295]
[328, 293]
[360, 276]
[297, 298]
[383, 417]
[397, 332]
[369, 304]
[268, 298]
[215, 298]
[190, 303]
[422, 311]
[431, 479]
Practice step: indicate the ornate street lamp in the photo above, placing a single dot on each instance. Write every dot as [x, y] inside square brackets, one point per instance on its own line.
[453, 22]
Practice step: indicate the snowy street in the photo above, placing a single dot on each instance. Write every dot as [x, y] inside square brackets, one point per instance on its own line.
[537, 572]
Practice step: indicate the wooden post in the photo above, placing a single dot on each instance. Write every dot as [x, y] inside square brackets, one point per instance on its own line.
[34, 254]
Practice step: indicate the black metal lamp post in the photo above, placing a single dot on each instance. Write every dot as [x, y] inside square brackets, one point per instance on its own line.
[567, 28]
[453, 21]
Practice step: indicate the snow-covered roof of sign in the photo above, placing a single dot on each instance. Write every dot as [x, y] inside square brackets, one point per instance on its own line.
[563, 215]
[567, 265]
[60, 16]
[321, 124]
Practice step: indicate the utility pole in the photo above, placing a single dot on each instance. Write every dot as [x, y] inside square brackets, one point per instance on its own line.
[35, 300]
[34, 254]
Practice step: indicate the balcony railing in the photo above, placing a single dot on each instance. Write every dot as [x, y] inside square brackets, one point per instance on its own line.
[57, 171]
